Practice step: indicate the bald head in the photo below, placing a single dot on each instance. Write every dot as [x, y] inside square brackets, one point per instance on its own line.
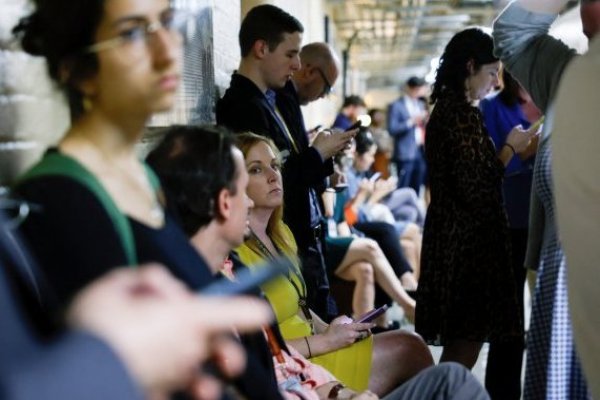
[319, 71]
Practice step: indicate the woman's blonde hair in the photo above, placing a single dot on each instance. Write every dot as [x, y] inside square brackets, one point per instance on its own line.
[275, 228]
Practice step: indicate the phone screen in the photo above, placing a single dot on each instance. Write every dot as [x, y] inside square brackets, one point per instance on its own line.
[537, 124]
[355, 125]
[371, 315]
[375, 176]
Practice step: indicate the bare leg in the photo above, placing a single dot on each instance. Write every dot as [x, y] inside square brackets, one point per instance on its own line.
[410, 241]
[368, 250]
[360, 272]
[397, 357]
[462, 351]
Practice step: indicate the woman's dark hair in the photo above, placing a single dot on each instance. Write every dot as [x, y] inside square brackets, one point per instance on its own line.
[509, 94]
[194, 163]
[471, 44]
[59, 30]
[364, 141]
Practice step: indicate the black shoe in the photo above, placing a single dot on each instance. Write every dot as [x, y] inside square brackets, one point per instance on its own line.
[392, 326]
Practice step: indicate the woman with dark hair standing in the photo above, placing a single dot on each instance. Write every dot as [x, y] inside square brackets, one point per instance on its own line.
[466, 293]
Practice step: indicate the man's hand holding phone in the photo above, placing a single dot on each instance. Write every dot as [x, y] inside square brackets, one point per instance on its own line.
[330, 142]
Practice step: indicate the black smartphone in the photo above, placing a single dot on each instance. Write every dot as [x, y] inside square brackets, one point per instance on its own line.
[371, 315]
[341, 187]
[355, 125]
[246, 279]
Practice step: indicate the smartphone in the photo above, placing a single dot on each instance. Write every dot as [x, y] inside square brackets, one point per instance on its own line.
[371, 315]
[355, 125]
[375, 176]
[247, 279]
[341, 187]
[536, 124]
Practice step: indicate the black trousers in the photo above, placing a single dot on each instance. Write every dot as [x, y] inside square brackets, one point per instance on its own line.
[505, 359]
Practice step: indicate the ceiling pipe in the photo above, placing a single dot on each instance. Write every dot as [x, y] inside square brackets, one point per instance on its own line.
[345, 61]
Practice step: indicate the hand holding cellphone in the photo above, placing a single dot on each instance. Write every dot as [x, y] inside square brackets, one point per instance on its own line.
[247, 279]
[355, 125]
[536, 125]
[375, 176]
[371, 315]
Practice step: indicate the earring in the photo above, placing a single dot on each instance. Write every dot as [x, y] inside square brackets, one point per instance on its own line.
[86, 103]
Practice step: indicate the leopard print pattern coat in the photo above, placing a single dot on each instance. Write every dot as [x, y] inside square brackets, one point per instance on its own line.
[466, 290]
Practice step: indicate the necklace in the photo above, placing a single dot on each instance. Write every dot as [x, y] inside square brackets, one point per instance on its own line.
[301, 292]
[140, 183]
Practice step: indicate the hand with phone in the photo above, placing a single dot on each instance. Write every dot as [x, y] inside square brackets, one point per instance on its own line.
[343, 332]
[382, 188]
[518, 139]
[372, 315]
[330, 142]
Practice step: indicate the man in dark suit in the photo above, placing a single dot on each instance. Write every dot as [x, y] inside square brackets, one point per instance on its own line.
[134, 332]
[270, 45]
[406, 118]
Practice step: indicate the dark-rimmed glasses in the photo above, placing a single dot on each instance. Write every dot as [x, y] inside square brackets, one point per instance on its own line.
[327, 86]
[137, 33]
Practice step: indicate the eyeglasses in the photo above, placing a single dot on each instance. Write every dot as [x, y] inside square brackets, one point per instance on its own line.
[137, 33]
[327, 86]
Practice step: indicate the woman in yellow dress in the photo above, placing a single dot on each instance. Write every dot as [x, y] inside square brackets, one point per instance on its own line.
[347, 349]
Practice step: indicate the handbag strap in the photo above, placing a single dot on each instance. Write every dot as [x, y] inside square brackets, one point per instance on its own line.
[58, 164]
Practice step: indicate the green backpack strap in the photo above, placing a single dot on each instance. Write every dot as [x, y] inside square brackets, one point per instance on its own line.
[55, 163]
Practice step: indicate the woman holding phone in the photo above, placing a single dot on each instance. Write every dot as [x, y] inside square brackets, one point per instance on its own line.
[118, 62]
[345, 348]
[466, 294]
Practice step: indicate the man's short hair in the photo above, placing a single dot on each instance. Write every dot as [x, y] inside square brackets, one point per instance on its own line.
[268, 23]
[415, 82]
[194, 164]
[353, 100]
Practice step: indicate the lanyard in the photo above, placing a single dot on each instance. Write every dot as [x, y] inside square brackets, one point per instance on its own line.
[302, 303]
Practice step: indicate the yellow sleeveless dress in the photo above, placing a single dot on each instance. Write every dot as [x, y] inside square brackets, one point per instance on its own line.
[350, 365]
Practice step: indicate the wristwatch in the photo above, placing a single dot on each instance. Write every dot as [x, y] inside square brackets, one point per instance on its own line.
[335, 391]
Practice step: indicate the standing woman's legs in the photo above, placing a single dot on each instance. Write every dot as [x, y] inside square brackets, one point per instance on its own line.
[505, 359]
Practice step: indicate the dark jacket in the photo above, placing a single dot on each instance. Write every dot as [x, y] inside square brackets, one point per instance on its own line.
[244, 107]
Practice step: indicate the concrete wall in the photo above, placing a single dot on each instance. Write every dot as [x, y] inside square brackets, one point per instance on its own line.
[33, 114]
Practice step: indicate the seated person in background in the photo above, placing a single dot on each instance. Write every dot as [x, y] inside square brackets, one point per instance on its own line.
[380, 200]
[343, 347]
[352, 107]
[185, 162]
[361, 260]
[383, 140]
[134, 333]
[213, 208]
